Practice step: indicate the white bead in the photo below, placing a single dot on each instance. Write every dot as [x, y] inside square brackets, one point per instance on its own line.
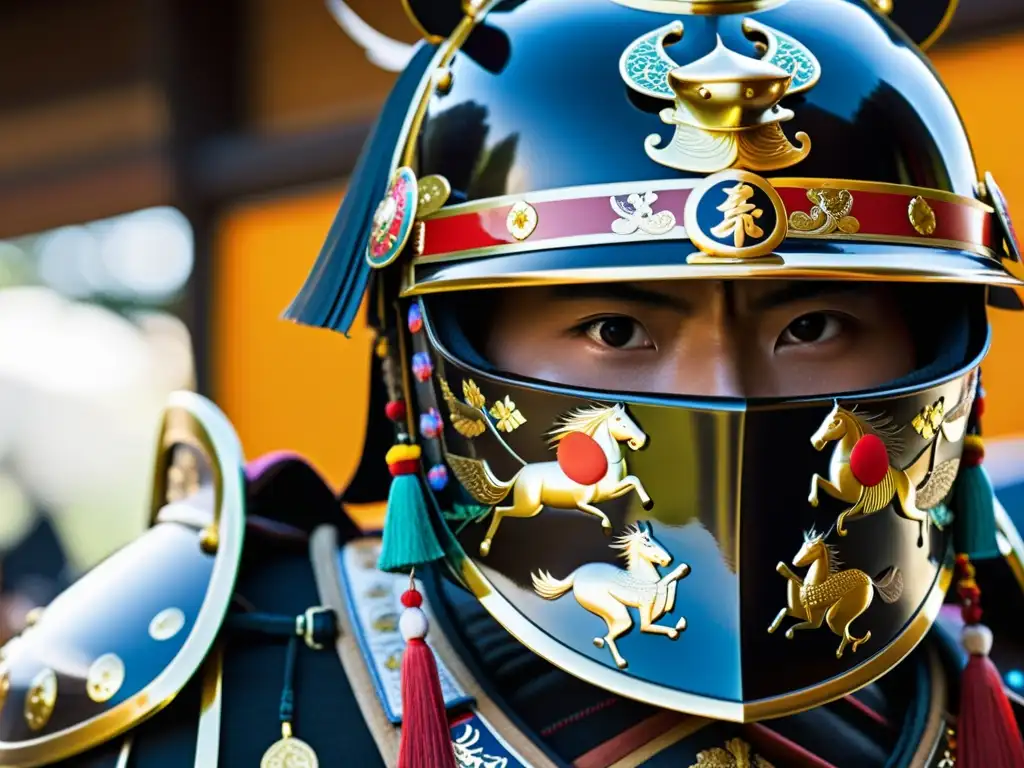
[977, 639]
[413, 624]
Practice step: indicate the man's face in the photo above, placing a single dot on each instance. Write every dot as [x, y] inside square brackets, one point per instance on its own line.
[731, 339]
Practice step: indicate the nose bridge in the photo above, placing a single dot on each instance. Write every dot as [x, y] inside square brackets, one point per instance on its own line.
[710, 367]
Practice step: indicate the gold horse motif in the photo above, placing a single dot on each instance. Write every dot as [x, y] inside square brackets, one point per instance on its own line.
[828, 594]
[608, 591]
[844, 426]
[545, 483]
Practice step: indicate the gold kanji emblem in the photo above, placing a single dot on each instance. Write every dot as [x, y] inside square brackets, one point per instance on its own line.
[738, 215]
[751, 220]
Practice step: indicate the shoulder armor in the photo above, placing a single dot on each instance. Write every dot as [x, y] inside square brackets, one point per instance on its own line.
[120, 643]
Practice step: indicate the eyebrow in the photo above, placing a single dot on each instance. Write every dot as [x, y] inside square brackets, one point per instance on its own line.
[801, 290]
[627, 292]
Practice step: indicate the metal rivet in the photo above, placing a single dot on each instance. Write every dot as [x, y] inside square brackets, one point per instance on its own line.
[166, 624]
[105, 677]
[41, 699]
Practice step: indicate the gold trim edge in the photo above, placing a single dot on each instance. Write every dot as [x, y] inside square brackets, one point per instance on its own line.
[614, 681]
[940, 30]
[728, 269]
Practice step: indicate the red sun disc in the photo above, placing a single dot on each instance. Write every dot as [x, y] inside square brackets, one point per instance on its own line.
[581, 458]
[869, 461]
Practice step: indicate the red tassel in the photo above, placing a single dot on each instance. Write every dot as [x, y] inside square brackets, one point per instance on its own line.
[988, 736]
[426, 736]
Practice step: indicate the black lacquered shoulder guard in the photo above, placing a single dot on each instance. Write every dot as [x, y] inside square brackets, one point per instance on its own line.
[123, 641]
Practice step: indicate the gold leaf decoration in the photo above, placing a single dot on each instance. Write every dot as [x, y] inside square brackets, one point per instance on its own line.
[473, 394]
[509, 417]
[922, 217]
[466, 420]
[928, 421]
[737, 754]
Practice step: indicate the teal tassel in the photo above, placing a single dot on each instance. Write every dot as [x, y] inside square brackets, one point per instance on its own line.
[974, 525]
[409, 537]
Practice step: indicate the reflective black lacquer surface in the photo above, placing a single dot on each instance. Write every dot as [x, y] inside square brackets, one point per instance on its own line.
[729, 482]
[558, 114]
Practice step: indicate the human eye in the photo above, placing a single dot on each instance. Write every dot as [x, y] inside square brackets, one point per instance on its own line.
[813, 328]
[617, 332]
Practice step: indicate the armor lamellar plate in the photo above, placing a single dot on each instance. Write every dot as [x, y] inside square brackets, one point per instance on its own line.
[121, 643]
[737, 561]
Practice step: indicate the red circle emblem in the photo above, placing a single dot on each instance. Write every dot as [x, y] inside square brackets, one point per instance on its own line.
[581, 458]
[869, 461]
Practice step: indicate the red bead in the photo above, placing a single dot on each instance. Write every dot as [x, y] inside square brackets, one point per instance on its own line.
[971, 614]
[406, 467]
[395, 410]
[969, 593]
[869, 461]
[412, 599]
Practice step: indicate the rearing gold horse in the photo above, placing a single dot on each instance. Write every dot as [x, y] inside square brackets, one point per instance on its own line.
[831, 595]
[536, 486]
[844, 426]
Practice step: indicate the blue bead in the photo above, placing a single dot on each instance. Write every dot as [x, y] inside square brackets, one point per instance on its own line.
[1015, 679]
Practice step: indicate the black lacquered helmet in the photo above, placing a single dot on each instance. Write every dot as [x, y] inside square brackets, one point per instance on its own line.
[661, 545]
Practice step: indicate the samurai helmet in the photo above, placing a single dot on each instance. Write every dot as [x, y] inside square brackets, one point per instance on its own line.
[661, 544]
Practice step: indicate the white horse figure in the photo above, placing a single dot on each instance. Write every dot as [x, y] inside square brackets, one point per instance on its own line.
[546, 483]
[606, 590]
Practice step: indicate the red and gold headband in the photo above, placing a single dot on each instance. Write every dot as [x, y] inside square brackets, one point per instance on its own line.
[805, 208]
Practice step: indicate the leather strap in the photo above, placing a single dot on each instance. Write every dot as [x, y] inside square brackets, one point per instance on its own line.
[323, 547]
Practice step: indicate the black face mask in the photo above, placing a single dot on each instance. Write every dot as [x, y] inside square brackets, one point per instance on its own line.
[738, 559]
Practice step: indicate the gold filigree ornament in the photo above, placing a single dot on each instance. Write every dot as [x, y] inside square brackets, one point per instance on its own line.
[41, 699]
[829, 593]
[922, 217]
[736, 754]
[105, 677]
[289, 752]
[607, 590]
[636, 214]
[521, 220]
[727, 112]
[830, 211]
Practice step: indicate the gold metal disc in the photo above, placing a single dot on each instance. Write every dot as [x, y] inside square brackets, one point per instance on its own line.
[105, 677]
[41, 699]
[166, 624]
[290, 753]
